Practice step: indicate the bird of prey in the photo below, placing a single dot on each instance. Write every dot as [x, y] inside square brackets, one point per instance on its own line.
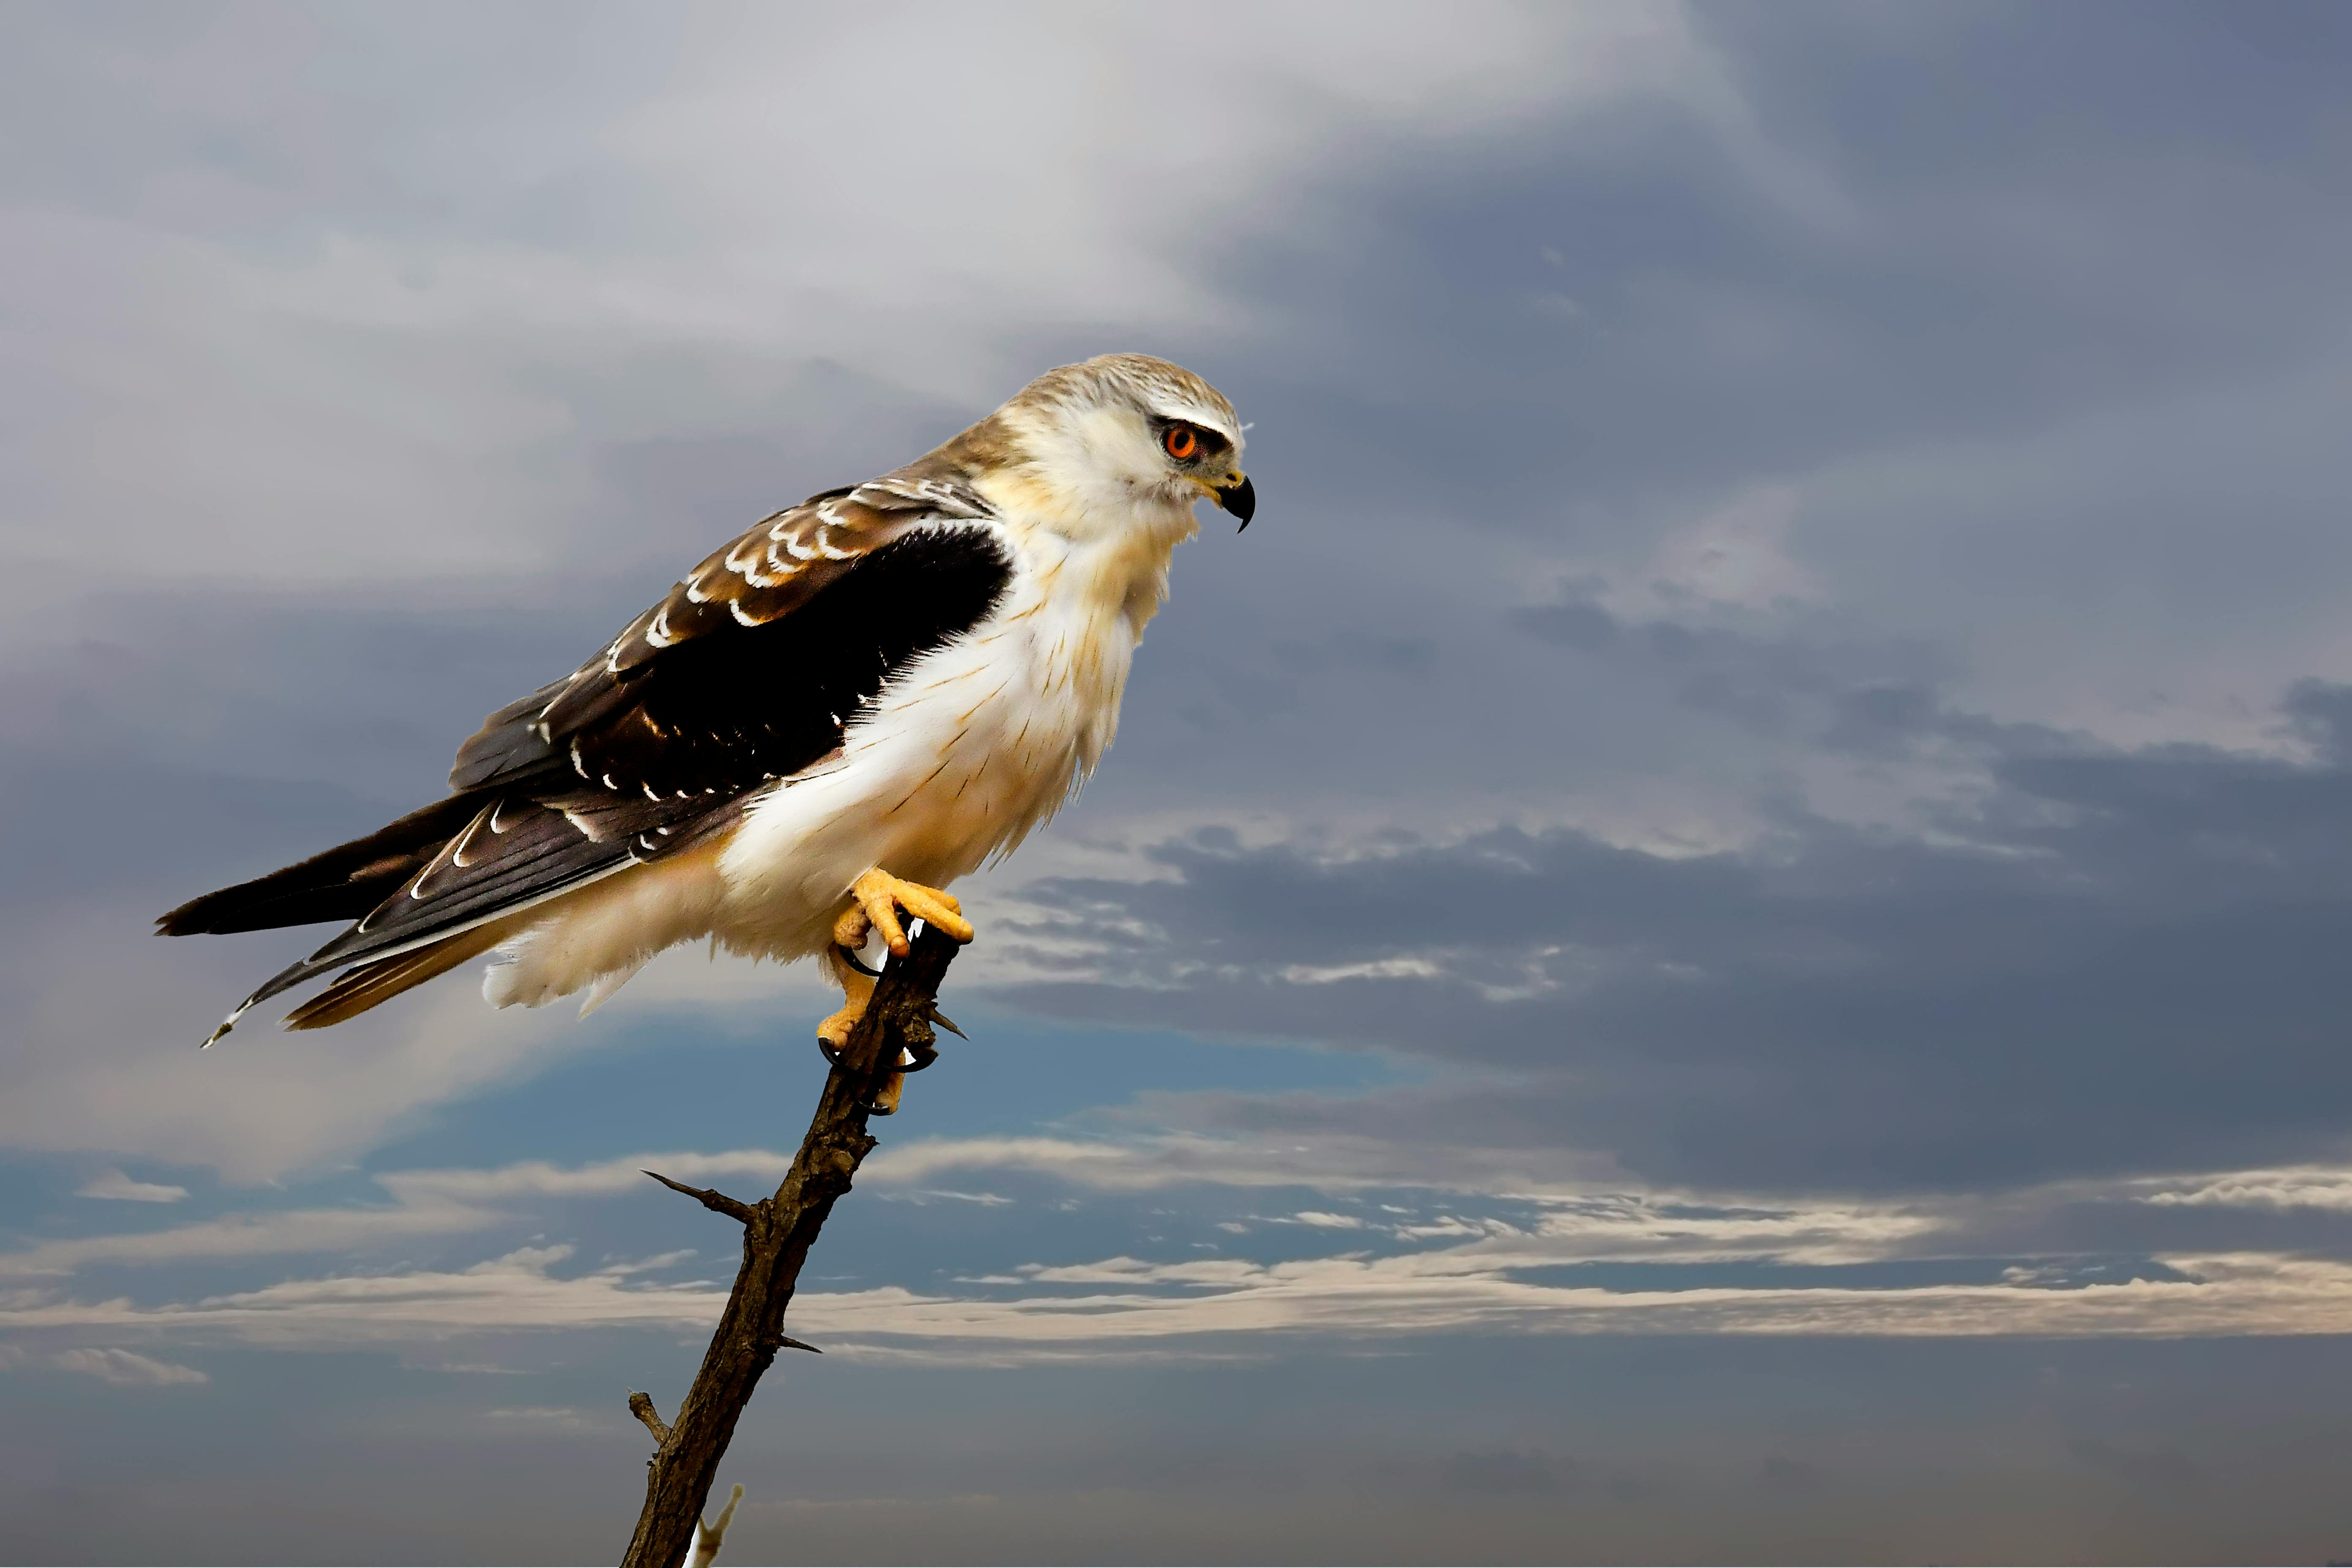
[864, 697]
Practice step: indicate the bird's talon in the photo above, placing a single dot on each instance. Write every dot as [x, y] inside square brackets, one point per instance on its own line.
[881, 896]
[878, 900]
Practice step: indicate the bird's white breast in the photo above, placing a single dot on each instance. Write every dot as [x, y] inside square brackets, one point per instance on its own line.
[966, 752]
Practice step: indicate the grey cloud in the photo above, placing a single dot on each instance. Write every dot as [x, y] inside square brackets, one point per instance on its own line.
[2116, 960]
[1579, 624]
[1980, 288]
[1802, 683]
[2034, 415]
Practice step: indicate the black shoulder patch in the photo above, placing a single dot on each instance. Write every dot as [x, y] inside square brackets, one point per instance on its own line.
[730, 711]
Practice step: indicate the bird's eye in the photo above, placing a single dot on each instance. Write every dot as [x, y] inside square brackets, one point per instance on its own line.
[1183, 442]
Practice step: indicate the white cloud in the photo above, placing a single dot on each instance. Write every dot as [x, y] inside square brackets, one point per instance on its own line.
[248, 1236]
[1574, 1219]
[436, 388]
[113, 1183]
[1376, 969]
[605, 1178]
[427, 1203]
[1462, 1271]
[2299, 1188]
[117, 1069]
[545, 1420]
[1198, 1306]
[1688, 1228]
[1328, 1161]
[128, 1369]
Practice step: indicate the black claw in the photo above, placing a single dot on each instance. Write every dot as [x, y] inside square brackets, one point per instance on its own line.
[827, 1047]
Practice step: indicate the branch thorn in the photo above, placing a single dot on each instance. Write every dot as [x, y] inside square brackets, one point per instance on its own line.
[734, 1208]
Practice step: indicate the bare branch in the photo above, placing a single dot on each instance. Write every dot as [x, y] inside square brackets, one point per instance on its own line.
[777, 1234]
[733, 1208]
[641, 1405]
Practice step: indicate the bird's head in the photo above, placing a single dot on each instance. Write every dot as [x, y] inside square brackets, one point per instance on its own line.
[1126, 437]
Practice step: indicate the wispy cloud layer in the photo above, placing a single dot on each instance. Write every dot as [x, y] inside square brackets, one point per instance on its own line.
[1122, 1306]
[1439, 1264]
[115, 1185]
[127, 1369]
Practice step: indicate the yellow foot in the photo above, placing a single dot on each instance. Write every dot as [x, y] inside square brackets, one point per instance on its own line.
[832, 1035]
[880, 897]
[857, 990]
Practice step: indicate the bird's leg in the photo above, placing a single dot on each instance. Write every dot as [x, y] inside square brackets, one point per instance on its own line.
[879, 897]
[857, 982]
[857, 990]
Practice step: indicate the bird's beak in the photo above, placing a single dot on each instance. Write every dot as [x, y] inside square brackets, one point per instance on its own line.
[1236, 495]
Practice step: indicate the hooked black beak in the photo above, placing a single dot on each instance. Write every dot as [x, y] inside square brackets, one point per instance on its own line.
[1240, 499]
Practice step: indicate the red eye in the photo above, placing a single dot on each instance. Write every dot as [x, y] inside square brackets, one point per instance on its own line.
[1182, 443]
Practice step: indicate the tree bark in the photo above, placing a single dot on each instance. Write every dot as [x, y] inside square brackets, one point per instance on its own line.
[777, 1234]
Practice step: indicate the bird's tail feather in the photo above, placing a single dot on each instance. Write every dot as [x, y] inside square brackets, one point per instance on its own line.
[357, 989]
[342, 884]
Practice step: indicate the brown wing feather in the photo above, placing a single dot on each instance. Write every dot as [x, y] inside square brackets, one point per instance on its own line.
[340, 884]
[776, 567]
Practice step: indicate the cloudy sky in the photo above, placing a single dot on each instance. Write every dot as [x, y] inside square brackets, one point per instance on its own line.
[1723, 935]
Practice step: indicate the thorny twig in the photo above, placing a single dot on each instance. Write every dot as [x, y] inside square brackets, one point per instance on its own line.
[777, 1233]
